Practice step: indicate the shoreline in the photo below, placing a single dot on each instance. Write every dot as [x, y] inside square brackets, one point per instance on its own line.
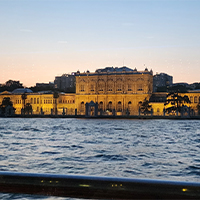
[106, 117]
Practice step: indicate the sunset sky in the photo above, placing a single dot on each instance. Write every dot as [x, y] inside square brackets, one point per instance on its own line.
[40, 39]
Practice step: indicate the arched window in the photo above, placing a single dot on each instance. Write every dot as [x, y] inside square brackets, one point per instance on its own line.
[110, 105]
[82, 106]
[119, 106]
[129, 105]
[101, 105]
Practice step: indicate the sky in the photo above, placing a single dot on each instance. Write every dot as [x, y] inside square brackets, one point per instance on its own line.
[41, 39]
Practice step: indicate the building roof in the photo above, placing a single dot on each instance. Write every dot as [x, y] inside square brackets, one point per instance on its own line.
[21, 91]
[115, 69]
[5, 92]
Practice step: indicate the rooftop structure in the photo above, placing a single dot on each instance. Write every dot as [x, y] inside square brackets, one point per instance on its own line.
[114, 70]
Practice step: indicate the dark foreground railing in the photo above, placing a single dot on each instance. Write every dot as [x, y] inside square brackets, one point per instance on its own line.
[91, 187]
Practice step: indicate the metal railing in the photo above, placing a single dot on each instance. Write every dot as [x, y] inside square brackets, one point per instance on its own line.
[92, 187]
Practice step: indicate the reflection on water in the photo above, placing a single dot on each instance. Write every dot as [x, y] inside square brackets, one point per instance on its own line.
[158, 149]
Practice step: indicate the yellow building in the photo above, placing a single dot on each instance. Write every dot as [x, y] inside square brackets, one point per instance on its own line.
[42, 103]
[108, 91]
[157, 101]
[116, 90]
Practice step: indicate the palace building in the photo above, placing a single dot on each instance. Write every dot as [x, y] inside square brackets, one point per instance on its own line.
[116, 90]
[107, 91]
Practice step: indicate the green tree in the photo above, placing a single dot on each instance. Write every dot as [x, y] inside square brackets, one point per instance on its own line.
[176, 102]
[145, 107]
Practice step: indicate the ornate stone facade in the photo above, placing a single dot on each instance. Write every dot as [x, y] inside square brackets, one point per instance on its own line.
[114, 89]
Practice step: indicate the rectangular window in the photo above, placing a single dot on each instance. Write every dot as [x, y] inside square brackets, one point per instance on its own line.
[191, 99]
[37, 100]
[140, 87]
[100, 87]
[82, 89]
[119, 87]
[92, 88]
[129, 87]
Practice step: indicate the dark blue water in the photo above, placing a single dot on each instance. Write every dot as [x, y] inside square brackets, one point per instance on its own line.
[157, 149]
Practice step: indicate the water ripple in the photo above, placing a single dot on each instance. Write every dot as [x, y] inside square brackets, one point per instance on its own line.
[159, 149]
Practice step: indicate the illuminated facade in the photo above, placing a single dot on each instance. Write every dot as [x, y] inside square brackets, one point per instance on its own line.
[158, 105]
[116, 90]
[108, 91]
[43, 103]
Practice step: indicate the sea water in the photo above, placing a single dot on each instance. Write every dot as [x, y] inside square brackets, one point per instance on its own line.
[155, 149]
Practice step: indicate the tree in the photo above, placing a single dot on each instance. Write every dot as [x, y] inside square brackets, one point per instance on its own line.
[55, 96]
[5, 103]
[28, 109]
[24, 97]
[145, 107]
[10, 85]
[198, 108]
[176, 102]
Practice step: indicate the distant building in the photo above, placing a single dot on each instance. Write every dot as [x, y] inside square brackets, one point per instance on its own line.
[43, 85]
[161, 80]
[65, 83]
